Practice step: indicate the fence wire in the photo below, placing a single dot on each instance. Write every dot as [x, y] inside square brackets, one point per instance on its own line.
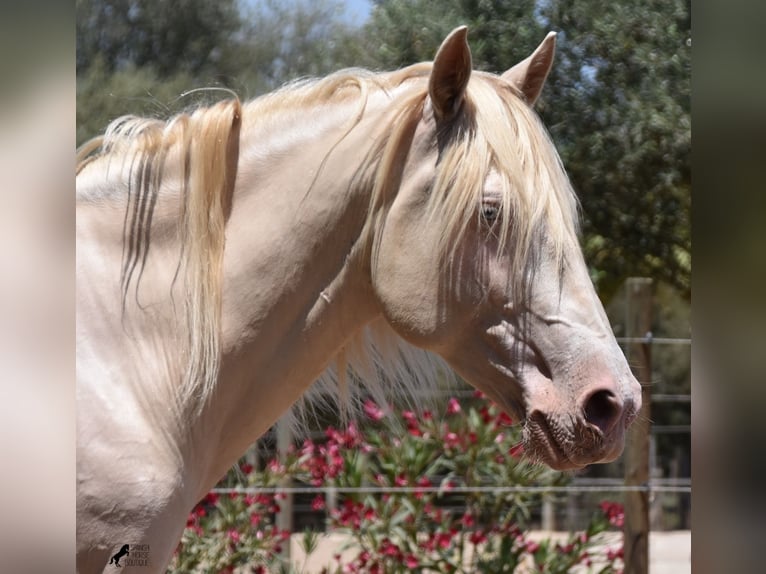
[677, 488]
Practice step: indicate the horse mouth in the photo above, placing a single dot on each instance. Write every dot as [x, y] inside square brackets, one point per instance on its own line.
[565, 447]
[541, 446]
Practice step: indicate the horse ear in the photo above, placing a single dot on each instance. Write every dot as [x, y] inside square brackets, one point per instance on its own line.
[450, 74]
[529, 75]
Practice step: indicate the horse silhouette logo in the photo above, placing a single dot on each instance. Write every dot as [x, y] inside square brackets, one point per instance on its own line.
[124, 551]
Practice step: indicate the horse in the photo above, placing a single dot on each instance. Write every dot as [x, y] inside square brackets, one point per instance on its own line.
[359, 229]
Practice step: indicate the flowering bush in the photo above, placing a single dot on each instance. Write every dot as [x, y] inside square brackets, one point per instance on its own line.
[417, 500]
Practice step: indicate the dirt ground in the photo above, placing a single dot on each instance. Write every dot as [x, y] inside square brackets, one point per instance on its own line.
[669, 552]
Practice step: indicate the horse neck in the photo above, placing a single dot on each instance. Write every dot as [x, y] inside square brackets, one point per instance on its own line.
[296, 283]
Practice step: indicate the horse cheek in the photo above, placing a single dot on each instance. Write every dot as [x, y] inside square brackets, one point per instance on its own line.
[406, 282]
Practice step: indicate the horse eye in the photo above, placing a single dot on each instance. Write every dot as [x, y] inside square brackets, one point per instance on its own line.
[490, 212]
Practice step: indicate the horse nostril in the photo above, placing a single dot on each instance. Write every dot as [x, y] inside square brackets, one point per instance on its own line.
[603, 409]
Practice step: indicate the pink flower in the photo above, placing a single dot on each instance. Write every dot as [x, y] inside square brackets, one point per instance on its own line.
[410, 561]
[467, 520]
[308, 447]
[613, 553]
[477, 394]
[424, 483]
[263, 499]
[517, 451]
[282, 534]
[531, 546]
[373, 411]
[388, 548]
[318, 503]
[211, 497]
[444, 540]
[246, 467]
[453, 406]
[451, 440]
[401, 480]
[614, 512]
[255, 519]
[477, 537]
[233, 535]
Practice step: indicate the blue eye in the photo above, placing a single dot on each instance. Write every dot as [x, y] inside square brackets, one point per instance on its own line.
[490, 212]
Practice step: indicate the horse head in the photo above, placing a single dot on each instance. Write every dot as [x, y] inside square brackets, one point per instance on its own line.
[478, 260]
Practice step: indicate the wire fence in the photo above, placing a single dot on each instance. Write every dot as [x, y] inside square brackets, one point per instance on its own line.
[677, 488]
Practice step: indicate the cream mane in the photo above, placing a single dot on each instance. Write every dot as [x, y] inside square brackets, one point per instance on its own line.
[495, 129]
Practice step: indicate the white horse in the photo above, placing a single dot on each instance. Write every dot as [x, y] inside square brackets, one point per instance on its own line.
[363, 223]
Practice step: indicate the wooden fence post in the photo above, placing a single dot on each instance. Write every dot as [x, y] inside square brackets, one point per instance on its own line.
[638, 322]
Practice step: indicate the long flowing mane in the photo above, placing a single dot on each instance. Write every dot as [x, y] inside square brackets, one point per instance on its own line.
[207, 141]
[495, 129]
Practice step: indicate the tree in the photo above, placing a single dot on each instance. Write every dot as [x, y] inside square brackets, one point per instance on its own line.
[141, 56]
[620, 114]
[285, 40]
[169, 35]
[402, 32]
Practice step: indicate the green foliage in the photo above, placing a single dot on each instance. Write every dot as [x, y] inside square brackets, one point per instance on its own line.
[402, 32]
[619, 110]
[285, 40]
[168, 35]
[139, 57]
[103, 96]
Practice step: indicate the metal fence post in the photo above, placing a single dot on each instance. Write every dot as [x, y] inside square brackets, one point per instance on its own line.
[638, 322]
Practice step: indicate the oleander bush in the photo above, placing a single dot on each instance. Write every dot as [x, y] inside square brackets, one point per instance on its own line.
[415, 493]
